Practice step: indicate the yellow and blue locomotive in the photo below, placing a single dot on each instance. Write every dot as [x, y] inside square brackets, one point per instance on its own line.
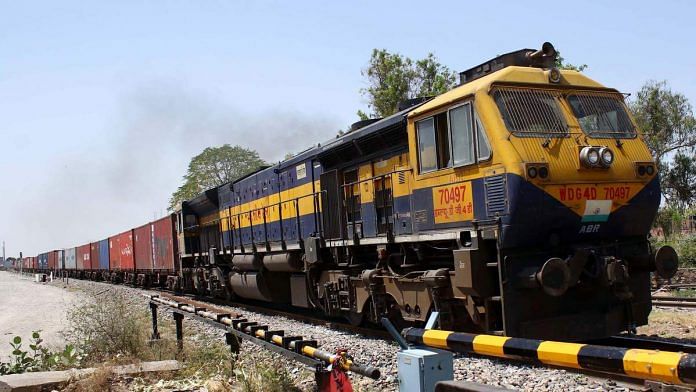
[518, 203]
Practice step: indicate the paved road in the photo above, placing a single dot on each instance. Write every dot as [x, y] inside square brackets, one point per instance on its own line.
[26, 306]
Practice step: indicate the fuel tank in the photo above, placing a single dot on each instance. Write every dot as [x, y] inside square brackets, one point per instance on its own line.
[269, 287]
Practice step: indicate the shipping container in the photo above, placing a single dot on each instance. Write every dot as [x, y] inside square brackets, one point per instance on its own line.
[35, 262]
[94, 252]
[163, 244]
[142, 242]
[52, 260]
[70, 258]
[82, 254]
[114, 252]
[61, 259]
[125, 246]
[43, 261]
[104, 259]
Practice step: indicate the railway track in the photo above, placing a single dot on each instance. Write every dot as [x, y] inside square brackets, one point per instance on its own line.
[625, 341]
[674, 302]
[600, 377]
[305, 317]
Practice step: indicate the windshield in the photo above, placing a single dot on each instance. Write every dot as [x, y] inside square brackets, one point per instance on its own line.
[601, 115]
[531, 113]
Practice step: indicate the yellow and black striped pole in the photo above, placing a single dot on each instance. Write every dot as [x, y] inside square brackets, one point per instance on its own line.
[670, 367]
[262, 332]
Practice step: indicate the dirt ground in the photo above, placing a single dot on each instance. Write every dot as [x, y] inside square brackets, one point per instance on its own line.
[26, 306]
[671, 323]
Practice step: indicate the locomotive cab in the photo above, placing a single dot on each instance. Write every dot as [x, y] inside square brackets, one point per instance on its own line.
[547, 173]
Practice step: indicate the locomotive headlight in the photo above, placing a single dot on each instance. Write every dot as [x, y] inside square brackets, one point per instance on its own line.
[554, 75]
[532, 172]
[607, 156]
[593, 157]
[590, 157]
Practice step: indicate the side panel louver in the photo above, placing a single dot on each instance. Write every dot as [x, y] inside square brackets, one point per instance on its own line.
[496, 196]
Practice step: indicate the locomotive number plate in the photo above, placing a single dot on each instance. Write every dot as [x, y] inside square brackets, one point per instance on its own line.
[453, 203]
[582, 198]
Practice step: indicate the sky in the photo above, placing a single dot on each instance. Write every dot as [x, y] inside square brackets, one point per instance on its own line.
[102, 104]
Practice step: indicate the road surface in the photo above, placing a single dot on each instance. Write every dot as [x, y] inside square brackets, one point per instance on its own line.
[26, 306]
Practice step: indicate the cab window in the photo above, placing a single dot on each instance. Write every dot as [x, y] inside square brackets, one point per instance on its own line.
[484, 149]
[462, 135]
[601, 115]
[452, 138]
[426, 145]
[531, 112]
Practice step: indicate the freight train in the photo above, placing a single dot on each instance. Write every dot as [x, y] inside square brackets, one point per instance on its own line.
[518, 203]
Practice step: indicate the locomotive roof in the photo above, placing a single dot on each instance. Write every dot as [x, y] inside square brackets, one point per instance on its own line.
[204, 203]
[513, 75]
[349, 138]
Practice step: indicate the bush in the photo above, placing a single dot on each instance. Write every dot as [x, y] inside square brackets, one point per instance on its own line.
[39, 358]
[107, 326]
[686, 249]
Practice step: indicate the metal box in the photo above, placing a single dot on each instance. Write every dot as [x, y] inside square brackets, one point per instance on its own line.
[420, 370]
[298, 290]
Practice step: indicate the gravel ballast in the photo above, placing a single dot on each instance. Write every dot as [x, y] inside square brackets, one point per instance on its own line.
[367, 350]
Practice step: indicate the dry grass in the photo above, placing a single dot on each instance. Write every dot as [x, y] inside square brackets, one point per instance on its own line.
[100, 380]
[111, 331]
[670, 324]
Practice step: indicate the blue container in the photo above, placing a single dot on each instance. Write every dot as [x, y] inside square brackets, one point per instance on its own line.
[43, 261]
[104, 254]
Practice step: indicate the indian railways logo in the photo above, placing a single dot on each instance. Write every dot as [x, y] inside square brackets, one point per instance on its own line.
[597, 211]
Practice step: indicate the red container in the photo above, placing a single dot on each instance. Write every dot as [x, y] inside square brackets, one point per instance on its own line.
[125, 245]
[93, 254]
[142, 242]
[34, 262]
[52, 260]
[163, 244]
[83, 259]
[114, 253]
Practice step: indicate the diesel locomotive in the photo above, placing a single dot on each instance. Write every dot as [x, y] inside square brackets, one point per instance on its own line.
[518, 203]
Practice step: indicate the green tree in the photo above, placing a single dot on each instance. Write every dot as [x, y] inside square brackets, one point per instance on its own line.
[562, 64]
[668, 218]
[214, 167]
[666, 119]
[393, 78]
[679, 181]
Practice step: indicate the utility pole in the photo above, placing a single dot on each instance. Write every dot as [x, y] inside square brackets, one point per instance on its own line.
[3, 253]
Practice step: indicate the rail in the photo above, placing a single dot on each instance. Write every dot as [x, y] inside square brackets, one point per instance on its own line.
[653, 365]
[295, 347]
[674, 302]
